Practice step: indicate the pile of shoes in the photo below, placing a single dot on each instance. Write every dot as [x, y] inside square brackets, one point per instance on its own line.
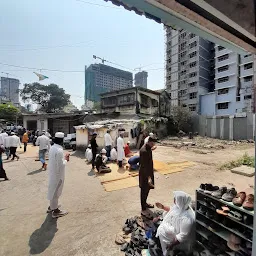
[139, 234]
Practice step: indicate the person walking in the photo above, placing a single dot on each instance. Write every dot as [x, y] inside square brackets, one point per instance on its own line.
[146, 174]
[94, 147]
[57, 163]
[120, 149]
[44, 144]
[108, 143]
[7, 144]
[25, 140]
[2, 171]
[14, 143]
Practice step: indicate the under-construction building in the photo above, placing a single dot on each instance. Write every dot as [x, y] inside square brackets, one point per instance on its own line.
[189, 68]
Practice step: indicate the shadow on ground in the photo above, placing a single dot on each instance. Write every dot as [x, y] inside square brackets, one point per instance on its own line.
[35, 172]
[41, 238]
[77, 153]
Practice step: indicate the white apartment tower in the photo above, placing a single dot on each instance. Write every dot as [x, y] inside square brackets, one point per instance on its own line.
[189, 68]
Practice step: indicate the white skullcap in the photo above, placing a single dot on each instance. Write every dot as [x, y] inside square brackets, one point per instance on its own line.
[89, 146]
[128, 142]
[103, 151]
[151, 134]
[12, 133]
[59, 135]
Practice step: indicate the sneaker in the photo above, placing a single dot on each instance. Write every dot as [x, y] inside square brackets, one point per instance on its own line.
[58, 213]
[229, 195]
[218, 194]
[49, 210]
[209, 189]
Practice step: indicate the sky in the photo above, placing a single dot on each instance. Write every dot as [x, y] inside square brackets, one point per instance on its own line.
[65, 34]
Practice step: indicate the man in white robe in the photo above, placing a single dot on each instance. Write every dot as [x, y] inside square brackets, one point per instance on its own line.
[57, 162]
[88, 153]
[120, 149]
[113, 154]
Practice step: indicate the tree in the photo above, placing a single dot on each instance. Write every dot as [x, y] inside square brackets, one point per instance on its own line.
[182, 118]
[50, 97]
[97, 106]
[8, 112]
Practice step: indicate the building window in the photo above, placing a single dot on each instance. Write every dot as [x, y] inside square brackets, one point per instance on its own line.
[192, 35]
[183, 63]
[223, 79]
[123, 99]
[192, 95]
[183, 72]
[193, 64]
[223, 105]
[247, 66]
[192, 45]
[182, 92]
[247, 55]
[144, 100]
[220, 48]
[193, 74]
[224, 57]
[192, 84]
[222, 69]
[109, 101]
[154, 103]
[193, 54]
[223, 91]
[192, 108]
[247, 97]
[247, 78]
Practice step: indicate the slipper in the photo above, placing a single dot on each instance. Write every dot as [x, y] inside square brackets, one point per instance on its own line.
[140, 222]
[147, 215]
[150, 206]
[223, 211]
[124, 247]
[235, 215]
[119, 239]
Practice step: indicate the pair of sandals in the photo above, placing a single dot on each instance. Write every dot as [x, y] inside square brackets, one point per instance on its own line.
[231, 214]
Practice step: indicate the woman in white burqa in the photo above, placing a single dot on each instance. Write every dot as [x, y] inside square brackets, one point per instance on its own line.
[178, 225]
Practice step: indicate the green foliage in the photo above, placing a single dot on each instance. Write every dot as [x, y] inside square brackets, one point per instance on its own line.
[181, 118]
[244, 160]
[97, 105]
[50, 97]
[8, 112]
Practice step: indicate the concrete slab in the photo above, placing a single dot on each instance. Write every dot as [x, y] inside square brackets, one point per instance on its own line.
[244, 170]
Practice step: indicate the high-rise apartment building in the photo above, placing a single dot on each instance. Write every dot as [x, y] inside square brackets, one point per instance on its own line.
[189, 68]
[9, 90]
[234, 85]
[100, 78]
[140, 79]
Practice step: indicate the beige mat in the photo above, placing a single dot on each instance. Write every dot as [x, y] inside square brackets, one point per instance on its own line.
[168, 168]
[116, 173]
[120, 184]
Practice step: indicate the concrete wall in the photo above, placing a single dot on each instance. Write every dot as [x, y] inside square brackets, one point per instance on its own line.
[228, 128]
[42, 123]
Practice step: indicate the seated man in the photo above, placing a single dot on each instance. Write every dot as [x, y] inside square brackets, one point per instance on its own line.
[177, 228]
[88, 153]
[127, 150]
[113, 154]
[100, 162]
[134, 162]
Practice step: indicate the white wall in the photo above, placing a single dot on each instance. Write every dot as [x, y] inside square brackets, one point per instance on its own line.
[42, 122]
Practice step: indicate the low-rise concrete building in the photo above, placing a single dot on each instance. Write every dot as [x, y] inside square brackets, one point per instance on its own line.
[132, 101]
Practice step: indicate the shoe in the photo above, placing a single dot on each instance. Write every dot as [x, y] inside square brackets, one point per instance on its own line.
[202, 210]
[58, 213]
[209, 189]
[229, 195]
[209, 215]
[218, 194]
[45, 166]
[249, 202]
[239, 199]
[49, 210]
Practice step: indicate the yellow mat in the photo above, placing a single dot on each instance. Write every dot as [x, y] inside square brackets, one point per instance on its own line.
[120, 184]
[116, 173]
[168, 168]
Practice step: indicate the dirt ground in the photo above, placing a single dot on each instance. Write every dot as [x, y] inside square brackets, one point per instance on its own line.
[95, 216]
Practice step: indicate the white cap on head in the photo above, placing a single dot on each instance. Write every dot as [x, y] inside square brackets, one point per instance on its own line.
[59, 135]
[89, 146]
[151, 134]
[12, 133]
[43, 131]
[128, 142]
[103, 151]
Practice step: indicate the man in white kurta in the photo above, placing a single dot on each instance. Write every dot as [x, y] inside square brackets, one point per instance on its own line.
[57, 162]
[120, 150]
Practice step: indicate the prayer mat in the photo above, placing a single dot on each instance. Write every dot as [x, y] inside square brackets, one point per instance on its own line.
[120, 184]
[169, 168]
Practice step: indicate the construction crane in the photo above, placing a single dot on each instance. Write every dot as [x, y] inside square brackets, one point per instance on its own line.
[102, 59]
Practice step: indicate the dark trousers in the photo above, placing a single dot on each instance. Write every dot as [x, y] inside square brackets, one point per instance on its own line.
[120, 163]
[25, 146]
[108, 149]
[93, 158]
[144, 190]
[13, 152]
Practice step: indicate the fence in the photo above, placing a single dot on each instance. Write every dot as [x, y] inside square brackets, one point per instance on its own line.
[227, 128]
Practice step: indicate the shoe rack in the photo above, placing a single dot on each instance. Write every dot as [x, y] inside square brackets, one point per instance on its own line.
[210, 224]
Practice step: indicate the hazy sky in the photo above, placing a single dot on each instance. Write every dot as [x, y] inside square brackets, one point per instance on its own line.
[33, 31]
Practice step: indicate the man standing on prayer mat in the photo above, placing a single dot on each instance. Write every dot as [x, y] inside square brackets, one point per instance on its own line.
[57, 163]
[146, 174]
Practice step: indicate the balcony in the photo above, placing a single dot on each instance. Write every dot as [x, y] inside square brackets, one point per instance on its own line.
[221, 52]
[248, 59]
[225, 73]
[246, 72]
[195, 58]
[232, 59]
